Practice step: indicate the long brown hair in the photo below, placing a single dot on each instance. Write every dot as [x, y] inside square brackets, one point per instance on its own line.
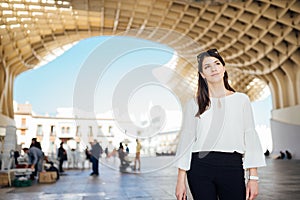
[203, 92]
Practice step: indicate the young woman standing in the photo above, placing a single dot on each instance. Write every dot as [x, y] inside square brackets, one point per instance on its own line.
[218, 139]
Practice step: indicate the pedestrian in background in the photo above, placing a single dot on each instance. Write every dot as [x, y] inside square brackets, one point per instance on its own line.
[137, 159]
[61, 156]
[95, 154]
[35, 143]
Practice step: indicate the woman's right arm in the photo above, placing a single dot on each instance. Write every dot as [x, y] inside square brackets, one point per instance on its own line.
[180, 187]
[184, 148]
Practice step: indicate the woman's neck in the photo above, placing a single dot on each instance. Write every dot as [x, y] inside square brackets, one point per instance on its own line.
[218, 90]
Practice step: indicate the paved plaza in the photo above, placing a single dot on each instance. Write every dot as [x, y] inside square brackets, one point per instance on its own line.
[280, 180]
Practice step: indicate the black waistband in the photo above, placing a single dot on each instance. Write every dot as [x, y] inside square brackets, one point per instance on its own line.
[218, 158]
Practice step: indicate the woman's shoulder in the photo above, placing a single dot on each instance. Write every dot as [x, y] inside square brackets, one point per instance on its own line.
[190, 105]
[192, 102]
[241, 96]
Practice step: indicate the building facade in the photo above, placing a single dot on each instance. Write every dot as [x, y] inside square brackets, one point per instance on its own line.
[77, 133]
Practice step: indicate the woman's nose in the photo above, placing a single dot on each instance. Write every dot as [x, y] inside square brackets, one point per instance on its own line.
[214, 68]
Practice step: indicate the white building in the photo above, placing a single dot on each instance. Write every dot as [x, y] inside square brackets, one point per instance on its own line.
[78, 132]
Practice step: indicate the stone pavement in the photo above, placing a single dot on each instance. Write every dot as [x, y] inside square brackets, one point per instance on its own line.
[280, 180]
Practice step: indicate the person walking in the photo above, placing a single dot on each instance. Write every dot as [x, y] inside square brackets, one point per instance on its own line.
[61, 156]
[95, 153]
[218, 138]
[137, 155]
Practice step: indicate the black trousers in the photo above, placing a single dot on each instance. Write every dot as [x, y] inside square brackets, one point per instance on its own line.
[95, 165]
[217, 175]
[61, 162]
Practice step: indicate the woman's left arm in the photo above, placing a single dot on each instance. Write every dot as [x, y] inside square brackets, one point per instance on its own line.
[254, 156]
[252, 184]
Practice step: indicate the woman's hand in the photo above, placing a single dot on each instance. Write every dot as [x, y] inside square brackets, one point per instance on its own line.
[180, 186]
[180, 191]
[252, 189]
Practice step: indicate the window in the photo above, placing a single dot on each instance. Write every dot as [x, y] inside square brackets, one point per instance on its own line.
[39, 130]
[100, 131]
[91, 131]
[23, 132]
[68, 130]
[23, 123]
[63, 130]
[109, 129]
[52, 130]
[52, 149]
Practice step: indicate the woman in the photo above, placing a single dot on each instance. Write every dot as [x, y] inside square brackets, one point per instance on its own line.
[218, 139]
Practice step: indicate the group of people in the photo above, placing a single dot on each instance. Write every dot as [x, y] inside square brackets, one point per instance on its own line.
[286, 155]
[36, 156]
[96, 151]
[124, 160]
[282, 155]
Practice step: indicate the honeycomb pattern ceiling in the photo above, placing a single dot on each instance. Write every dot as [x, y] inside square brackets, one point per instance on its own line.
[258, 39]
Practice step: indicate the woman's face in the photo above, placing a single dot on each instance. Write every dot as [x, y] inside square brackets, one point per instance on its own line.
[212, 70]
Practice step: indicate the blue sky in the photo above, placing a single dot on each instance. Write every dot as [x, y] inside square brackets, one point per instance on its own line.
[52, 85]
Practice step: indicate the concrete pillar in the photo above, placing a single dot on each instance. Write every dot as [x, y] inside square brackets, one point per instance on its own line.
[10, 139]
[9, 144]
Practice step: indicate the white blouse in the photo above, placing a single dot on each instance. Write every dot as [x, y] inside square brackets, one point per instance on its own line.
[227, 126]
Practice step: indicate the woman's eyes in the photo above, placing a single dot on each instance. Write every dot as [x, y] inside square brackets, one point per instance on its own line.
[208, 66]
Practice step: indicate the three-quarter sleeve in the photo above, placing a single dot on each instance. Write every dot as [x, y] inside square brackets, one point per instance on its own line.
[187, 137]
[254, 156]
